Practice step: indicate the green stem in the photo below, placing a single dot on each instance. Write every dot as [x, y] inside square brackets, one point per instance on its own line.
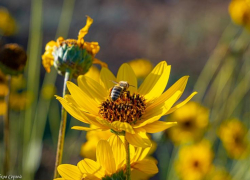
[6, 162]
[61, 136]
[128, 168]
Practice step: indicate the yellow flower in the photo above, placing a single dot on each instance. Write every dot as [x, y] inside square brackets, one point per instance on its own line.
[233, 136]
[7, 23]
[74, 54]
[110, 161]
[19, 101]
[88, 149]
[240, 12]
[192, 119]
[218, 173]
[136, 111]
[194, 161]
[141, 67]
[3, 107]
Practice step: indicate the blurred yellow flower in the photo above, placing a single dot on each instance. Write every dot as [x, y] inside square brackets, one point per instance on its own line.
[136, 111]
[3, 107]
[74, 54]
[233, 136]
[240, 12]
[19, 101]
[218, 173]
[48, 91]
[7, 23]
[192, 119]
[141, 67]
[194, 161]
[88, 149]
[110, 162]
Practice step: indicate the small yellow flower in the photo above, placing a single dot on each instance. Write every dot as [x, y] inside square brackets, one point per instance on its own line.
[233, 135]
[19, 101]
[141, 67]
[136, 112]
[74, 54]
[240, 12]
[192, 119]
[110, 161]
[7, 23]
[194, 161]
[48, 91]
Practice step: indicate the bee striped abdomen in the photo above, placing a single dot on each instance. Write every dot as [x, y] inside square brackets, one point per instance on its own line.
[115, 93]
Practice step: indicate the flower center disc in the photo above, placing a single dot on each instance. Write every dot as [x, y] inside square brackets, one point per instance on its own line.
[127, 108]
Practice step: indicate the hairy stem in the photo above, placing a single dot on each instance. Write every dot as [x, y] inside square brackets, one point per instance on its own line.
[128, 168]
[61, 136]
[6, 162]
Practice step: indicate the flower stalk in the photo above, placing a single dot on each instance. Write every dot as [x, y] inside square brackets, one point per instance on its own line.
[6, 162]
[128, 168]
[61, 136]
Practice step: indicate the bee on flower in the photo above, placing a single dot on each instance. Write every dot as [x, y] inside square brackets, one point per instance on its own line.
[75, 55]
[110, 163]
[233, 136]
[135, 113]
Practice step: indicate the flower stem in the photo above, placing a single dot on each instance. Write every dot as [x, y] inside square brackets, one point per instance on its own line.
[61, 136]
[128, 169]
[6, 162]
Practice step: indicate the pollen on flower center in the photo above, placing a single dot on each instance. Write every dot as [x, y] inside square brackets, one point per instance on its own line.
[127, 108]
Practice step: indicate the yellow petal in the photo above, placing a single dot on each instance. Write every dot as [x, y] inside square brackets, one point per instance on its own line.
[181, 103]
[126, 73]
[85, 29]
[93, 73]
[68, 171]
[104, 156]
[118, 149]
[123, 126]
[158, 126]
[147, 166]
[155, 82]
[158, 111]
[82, 128]
[92, 88]
[82, 99]
[91, 167]
[141, 153]
[106, 78]
[76, 113]
[139, 139]
[178, 86]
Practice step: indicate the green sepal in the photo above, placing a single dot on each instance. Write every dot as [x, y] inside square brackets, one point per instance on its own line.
[117, 176]
[9, 71]
[117, 133]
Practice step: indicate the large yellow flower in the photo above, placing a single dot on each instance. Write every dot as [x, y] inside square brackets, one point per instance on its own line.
[233, 135]
[110, 160]
[195, 161]
[136, 112]
[192, 119]
[240, 12]
[75, 54]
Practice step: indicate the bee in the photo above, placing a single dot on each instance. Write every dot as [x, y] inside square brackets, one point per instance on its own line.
[118, 89]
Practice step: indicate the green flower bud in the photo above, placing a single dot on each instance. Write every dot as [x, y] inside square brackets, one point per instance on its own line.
[72, 58]
[117, 176]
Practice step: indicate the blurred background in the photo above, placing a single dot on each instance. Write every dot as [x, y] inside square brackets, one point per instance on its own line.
[197, 38]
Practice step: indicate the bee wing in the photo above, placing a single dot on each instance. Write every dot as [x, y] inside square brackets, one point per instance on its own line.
[114, 82]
